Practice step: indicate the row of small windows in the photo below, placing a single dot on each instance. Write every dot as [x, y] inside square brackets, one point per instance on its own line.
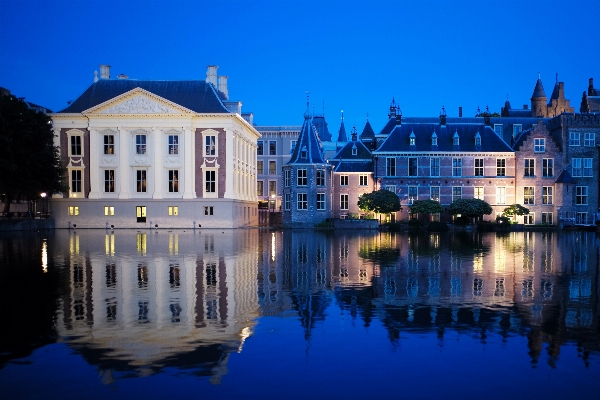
[109, 211]
[141, 180]
[302, 178]
[589, 139]
[141, 143]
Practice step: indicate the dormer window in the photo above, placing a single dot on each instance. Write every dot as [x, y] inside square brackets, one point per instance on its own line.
[303, 152]
[477, 139]
[412, 139]
[354, 150]
[434, 139]
[455, 139]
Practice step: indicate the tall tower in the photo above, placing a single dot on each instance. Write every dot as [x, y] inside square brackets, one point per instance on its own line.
[538, 100]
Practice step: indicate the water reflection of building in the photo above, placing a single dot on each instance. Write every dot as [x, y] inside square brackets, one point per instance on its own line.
[541, 285]
[149, 300]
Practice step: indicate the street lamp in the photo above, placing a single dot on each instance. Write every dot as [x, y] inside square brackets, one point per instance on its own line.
[272, 203]
[43, 194]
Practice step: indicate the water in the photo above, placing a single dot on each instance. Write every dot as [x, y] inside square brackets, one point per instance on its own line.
[296, 315]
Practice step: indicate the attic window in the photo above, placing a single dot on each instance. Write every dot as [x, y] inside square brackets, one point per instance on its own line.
[354, 150]
[477, 139]
[412, 138]
[455, 139]
[303, 152]
[434, 139]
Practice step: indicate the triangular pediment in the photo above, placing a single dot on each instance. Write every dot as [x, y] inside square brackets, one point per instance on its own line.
[137, 101]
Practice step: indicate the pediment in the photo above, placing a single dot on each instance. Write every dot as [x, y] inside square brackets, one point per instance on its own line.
[137, 101]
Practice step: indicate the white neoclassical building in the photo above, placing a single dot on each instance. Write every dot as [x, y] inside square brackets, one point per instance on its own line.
[177, 154]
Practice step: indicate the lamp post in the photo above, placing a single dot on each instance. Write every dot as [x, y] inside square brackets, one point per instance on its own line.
[44, 214]
[272, 203]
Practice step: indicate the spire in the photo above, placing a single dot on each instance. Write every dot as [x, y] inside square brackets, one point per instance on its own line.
[393, 107]
[342, 132]
[538, 92]
[307, 112]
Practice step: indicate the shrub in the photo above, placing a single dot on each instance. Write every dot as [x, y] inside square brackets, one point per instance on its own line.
[368, 216]
[415, 224]
[437, 226]
[324, 224]
[462, 221]
[352, 216]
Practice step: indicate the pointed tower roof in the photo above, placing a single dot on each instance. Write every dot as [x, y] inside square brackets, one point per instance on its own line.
[321, 126]
[342, 137]
[538, 92]
[367, 133]
[555, 91]
[309, 149]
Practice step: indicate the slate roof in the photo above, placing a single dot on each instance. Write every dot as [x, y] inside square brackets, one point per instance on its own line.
[362, 166]
[554, 94]
[362, 152]
[522, 137]
[342, 137]
[198, 96]
[321, 125]
[367, 133]
[565, 177]
[308, 140]
[399, 139]
[539, 90]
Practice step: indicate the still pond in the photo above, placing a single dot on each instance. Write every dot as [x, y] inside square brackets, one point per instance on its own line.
[262, 314]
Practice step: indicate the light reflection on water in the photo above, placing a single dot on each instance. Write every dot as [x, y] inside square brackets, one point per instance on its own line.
[147, 303]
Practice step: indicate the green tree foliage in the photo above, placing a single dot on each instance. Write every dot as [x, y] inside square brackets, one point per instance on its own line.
[470, 208]
[381, 201]
[426, 207]
[514, 210]
[29, 162]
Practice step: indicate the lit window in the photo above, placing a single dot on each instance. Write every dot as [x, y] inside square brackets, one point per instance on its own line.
[434, 193]
[343, 180]
[259, 188]
[272, 168]
[548, 167]
[539, 145]
[343, 202]
[500, 167]
[141, 181]
[109, 144]
[109, 211]
[140, 212]
[173, 180]
[412, 166]
[302, 201]
[73, 210]
[413, 194]
[434, 166]
[479, 167]
[320, 201]
[363, 180]
[529, 167]
[272, 188]
[478, 192]
[109, 180]
[547, 195]
[302, 178]
[140, 144]
[173, 144]
[500, 195]
[208, 210]
[173, 211]
[528, 195]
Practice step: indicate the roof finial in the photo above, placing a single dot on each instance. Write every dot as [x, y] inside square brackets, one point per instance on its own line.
[367, 116]
[539, 76]
[342, 115]
[307, 112]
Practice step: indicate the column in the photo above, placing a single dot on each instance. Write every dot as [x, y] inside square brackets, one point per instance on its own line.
[124, 170]
[188, 164]
[56, 143]
[94, 166]
[159, 169]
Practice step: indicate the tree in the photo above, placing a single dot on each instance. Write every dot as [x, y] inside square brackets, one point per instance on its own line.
[514, 210]
[29, 161]
[470, 208]
[426, 207]
[381, 201]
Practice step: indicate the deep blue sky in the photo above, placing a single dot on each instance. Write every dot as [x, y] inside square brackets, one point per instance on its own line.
[351, 55]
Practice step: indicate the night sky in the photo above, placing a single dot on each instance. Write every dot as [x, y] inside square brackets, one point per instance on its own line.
[350, 55]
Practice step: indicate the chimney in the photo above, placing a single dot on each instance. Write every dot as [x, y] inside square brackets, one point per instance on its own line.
[223, 86]
[525, 106]
[211, 75]
[443, 116]
[104, 71]
[460, 112]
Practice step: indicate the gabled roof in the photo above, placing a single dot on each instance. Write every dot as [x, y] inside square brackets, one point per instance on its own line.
[321, 125]
[565, 177]
[539, 90]
[198, 96]
[389, 126]
[399, 138]
[362, 166]
[308, 144]
[345, 153]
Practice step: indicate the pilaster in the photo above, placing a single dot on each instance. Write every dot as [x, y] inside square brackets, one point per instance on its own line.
[124, 164]
[94, 164]
[188, 164]
[159, 168]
